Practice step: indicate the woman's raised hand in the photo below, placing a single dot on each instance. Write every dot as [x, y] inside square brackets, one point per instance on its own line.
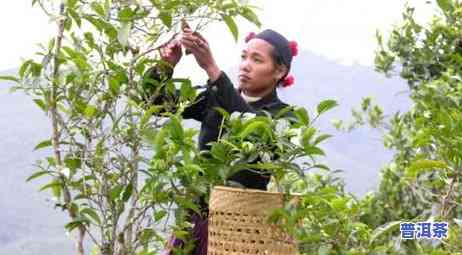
[199, 47]
[171, 52]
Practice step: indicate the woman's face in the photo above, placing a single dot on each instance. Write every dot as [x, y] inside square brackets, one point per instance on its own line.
[258, 74]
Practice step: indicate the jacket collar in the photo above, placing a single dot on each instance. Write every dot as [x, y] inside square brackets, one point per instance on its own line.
[271, 97]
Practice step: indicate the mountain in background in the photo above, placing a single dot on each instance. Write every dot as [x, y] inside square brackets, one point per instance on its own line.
[31, 226]
[360, 153]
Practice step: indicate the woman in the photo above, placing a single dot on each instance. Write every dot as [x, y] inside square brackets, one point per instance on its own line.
[265, 65]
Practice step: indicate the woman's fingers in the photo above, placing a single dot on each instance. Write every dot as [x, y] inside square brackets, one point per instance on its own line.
[188, 44]
[203, 44]
[194, 41]
[162, 52]
[189, 39]
[187, 30]
[201, 38]
[176, 44]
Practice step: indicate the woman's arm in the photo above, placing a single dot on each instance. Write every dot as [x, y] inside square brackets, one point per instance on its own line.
[227, 96]
[154, 94]
[171, 54]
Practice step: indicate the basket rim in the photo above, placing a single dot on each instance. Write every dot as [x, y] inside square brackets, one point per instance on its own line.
[257, 191]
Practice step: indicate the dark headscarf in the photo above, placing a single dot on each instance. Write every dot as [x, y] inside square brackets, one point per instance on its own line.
[280, 44]
[285, 50]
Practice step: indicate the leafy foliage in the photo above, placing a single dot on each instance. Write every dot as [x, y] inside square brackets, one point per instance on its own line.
[423, 180]
[120, 165]
[88, 80]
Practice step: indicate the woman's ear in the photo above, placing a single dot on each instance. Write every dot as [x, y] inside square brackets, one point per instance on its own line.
[281, 71]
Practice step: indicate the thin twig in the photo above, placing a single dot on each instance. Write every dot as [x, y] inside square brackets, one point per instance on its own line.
[55, 129]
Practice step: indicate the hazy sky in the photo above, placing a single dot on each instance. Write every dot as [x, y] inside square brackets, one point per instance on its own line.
[343, 30]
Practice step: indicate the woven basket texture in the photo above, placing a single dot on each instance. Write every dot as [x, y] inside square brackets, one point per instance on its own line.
[238, 223]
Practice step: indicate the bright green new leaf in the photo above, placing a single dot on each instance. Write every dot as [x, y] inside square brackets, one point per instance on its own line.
[72, 163]
[251, 16]
[90, 111]
[75, 16]
[166, 18]
[54, 183]
[90, 40]
[126, 14]
[75, 223]
[40, 103]
[71, 3]
[307, 135]
[321, 138]
[127, 193]
[176, 129]
[9, 78]
[25, 65]
[37, 175]
[92, 214]
[159, 215]
[98, 9]
[313, 150]
[302, 115]
[326, 105]
[420, 166]
[43, 144]
[445, 5]
[159, 140]
[115, 192]
[384, 229]
[256, 126]
[232, 26]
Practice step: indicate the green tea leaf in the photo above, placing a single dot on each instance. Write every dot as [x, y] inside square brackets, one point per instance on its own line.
[307, 135]
[98, 9]
[126, 14]
[9, 78]
[166, 18]
[232, 26]
[75, 224]
[90, 111]
[40, 103]
[302, 115]
[75, 16]
[419, 166]
[115, 192]
[127, 193]
[445, 5]
[321, 138]
[92, 214]
[384, 229]
[255, 126]
[176, 130]
[72, 163]
[326, 105]
[43, 144]
[313, 150]
[50, 185]
[37, 175]
[251, 16]
[159, 215]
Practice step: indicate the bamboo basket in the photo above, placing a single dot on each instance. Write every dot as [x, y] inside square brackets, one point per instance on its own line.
[238, 223]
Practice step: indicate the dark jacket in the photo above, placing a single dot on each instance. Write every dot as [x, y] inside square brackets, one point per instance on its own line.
[221, 93]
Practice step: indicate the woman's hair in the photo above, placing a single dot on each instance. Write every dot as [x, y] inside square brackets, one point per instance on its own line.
[282, 53]
[278, 62]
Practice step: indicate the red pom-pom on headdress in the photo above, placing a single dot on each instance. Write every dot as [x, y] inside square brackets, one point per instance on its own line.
[250, 36]
[288, 81]
[293, 48]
